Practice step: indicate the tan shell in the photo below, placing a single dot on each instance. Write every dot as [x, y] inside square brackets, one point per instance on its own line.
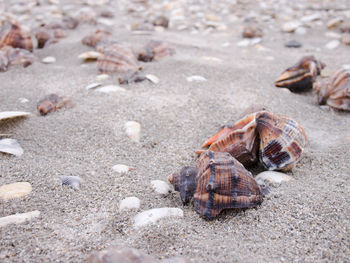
[99, 35]
[11, 34]
[252, 31]
[117, 58]
[335, 91]
[52, 102]
[301, 76]
[155, 50]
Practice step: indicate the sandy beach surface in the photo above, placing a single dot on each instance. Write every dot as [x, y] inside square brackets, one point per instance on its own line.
[304, 220]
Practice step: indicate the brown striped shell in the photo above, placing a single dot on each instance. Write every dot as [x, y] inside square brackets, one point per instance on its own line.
[221, 183]
[117, 58]
[155, 50]
[335, 91]
[52, 102]
[12, 34]
[93, 39]
[301, 76]
[277, 139]
[282, 141]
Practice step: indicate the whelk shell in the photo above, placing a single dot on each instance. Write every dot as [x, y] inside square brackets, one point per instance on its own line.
[301, 76]
[335, 91]
[12, 34]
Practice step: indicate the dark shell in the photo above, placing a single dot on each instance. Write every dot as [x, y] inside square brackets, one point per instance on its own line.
[335, 91]
[252, 31]
[131, 76]
[73, 181]
[52, 102]
[345, 27]
[155, 50]
[11, 34]
[42, 34]
[93, 39]
[222, 183]
[301, 76]
[240, 140]
[18, 56]
[117, 58]
[161, 21]
[282, 141]
[185, 182]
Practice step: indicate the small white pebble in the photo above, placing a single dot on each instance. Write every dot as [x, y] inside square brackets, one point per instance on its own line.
[48, 60]
[129, 203]
[133, 130]
[160, 187]
[110, 88]
[196, 78]
[122, 168]
[93, 85]
[333, 44]
[23, 100]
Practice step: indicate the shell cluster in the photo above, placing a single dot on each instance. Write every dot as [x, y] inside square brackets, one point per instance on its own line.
[217, 182]
[276, 140]
[301, 76]
[335, 90]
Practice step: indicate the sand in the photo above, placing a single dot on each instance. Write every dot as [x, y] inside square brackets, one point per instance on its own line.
[304, 220]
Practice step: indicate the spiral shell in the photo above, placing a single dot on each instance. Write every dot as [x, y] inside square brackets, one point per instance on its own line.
[155, 50]
[117, 58]
[11, 34]
[301, 76]
[335, 91]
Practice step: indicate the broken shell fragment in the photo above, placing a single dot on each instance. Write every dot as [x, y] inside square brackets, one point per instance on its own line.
[155, 50]
[15, 190]
[122, 168]
[53, 102]
[90, 55]
[133, 130]
[160, 187]
[335, 90]
[153, 215]
[301, 76]
[12, 34]
[13, 114]
[117, 58]
[18, 218]
[10, 146]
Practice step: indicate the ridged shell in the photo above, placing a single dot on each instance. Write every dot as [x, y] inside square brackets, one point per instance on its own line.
[335, 91]
[51, 103]
[155, 50]
[282, 141]
[11, 34]
[240, 140]
[117, 58]
[301, 76]
[18, 56]
[222, 183]
[99, 35]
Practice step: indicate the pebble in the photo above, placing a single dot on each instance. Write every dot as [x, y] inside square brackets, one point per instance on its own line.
[290, 27]
[331, 34]
[122, 168]
[300, 31]
[93, 85]
[110, 88]
[310, 18]
[196, 78]
[18, 218]
[23, 100]
[153, 215]
[272, 178]
[152, 78]
[346, 38]
[332, 44]
[293, 44]
[15, 190]
[10, 146]
[334, 22]
[48, 60]
[73, 181]
[129, 203]
[13, 114]
[133, 130]
[160, 187]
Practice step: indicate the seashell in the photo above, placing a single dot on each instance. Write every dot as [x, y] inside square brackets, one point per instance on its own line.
[161, 21]
[252, 31]
[99, 35]
[196, 78]
[221, 183]
[301, 76]
[15, 190]
[10, 146]
[42, 34]
[240, 140]
[73, 181]
[333, 44]
[18, 218]
[90, 55]
[3, 62]
[282, 141]
[129, 203]
[60, 33]
[131, 76]
[155, 50]
[152, 78]
[13, 114]
[133, 130]
[121, 168]
[93, 85]
[117, 58]
[345, 27]
[160, 187]
[110, 88]
[335, 91]
[11, 34]
[18, 56]
[272, 178]
[48, 60]
[107, 13]
[52, 102]
[293, 44]
[153, 215]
